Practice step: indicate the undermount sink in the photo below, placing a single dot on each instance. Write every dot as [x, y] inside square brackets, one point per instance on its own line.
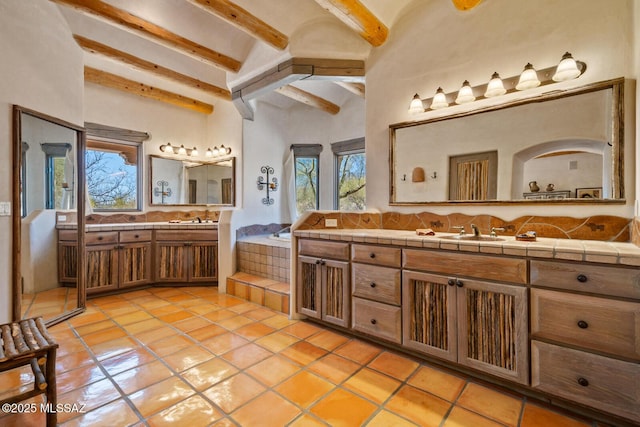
[472, 237]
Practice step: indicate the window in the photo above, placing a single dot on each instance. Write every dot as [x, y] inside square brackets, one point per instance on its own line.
[307, 172]
[57, 174]
[351, 177]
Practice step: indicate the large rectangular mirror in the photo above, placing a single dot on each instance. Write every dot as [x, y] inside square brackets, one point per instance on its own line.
[561, 146]
[188, 182]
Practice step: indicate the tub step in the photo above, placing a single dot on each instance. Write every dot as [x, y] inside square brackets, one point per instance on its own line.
[260, 290]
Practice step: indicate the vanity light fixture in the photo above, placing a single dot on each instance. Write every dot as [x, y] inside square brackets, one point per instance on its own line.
[182, 151]
[194, 152]
[168, 148]
[439, 100]
[465, 94]
[495, 86]
[530, 78]
[208, 153]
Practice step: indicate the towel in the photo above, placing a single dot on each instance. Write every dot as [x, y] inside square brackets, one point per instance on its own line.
[425, 232]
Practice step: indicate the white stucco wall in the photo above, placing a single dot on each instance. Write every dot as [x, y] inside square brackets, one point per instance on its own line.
[41, 69]
[497, 35]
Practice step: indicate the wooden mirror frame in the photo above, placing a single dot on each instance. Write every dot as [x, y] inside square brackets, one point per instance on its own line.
[16, 273]
[617, 87]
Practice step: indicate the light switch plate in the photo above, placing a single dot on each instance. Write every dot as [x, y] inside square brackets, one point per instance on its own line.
[62, 218]
[5, 208]
[330, 222]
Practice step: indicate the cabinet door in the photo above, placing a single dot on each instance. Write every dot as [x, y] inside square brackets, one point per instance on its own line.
[335, 292]
[171, 262]
[135, 264]
[203, 262]
[68, 262]
[429, 314]
[492, 331]
[308, 286]
[102, 268]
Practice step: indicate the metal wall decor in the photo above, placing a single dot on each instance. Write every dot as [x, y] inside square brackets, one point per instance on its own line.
[263, 182]
[164, 191]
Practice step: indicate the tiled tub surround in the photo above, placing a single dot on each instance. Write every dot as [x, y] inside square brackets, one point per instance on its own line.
[265, 257]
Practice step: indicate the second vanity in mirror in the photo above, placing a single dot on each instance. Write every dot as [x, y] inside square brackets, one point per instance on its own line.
[191, 182]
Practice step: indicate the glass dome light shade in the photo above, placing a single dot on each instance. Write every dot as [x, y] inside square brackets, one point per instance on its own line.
[495, 86]
[465, 94]
[567, 69]
[528, 78]
[194, 152]
[182, 150]
[416, 105]
[168, 148]
[208, 153]
[439, 100]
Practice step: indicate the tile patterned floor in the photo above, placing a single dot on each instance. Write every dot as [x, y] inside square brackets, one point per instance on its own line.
[193, 357]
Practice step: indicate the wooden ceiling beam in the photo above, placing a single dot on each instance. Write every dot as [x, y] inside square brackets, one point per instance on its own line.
[245, 21]
[358, 18]
[117, 55]
[355, 88]
[308, 99]
[113, 81]
[155, 32]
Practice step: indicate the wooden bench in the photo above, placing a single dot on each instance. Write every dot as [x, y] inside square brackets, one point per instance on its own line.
[28, 342]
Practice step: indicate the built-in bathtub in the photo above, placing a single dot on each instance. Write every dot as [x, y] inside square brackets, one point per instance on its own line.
[265, 255]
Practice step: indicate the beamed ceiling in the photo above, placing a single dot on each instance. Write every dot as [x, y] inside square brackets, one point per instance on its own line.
[194, 53]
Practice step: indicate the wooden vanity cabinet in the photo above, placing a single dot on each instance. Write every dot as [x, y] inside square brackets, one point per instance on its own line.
[68, 256]
[323, 281]
[135, 258]
[186, 256]
[476, 323]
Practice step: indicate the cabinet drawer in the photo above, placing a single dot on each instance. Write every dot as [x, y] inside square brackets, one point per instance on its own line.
[377, 319]
[184, 235]
[68, 235]
[591, 322]
[613, 281]
[378, 255]
[597, 381]
[135, 236]
[101, 238]
[376, 283]
[324, 249]
[504, 269]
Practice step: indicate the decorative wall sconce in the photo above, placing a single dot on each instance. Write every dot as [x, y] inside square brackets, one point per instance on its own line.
[217, 152]
[164, 191]
[263, 182]
[567, 69]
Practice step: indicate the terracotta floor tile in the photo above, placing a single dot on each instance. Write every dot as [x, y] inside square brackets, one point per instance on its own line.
[460, 417]
[278, 410]
[247, 355]
[128, 360]
[156, 334]
[82, 376]
[259, 314]
[372, 385]
[273, 370]
[152, 302]
[388, 419]
[303, 353]
[91, 396]
[73, 361]
[164, 310]
[187, 358]
[307, 420]
[191, 323]
[343, 408]
[418, 406]
[304, 388]
[223, 343]
[234, 392]
[242, 308]
[491, 403]
[328, 340]
[94, 327]
[145, 325]
[254, 331]
[116, 413]
[201, 308]
[112, 348]
[176, 316]
[160, 396]
[440, 383]
[216, 316]
[358, 351]
[169, 345]
[193, 412]
[102, 336]
[301, 329]
[394, 365]
[233, 323]
[535, 415]
[142, 376]
[137, 316]
[334, 368]
[277, 341]
[209, 373]
[206, 332]
[278, 321]
[86, 318]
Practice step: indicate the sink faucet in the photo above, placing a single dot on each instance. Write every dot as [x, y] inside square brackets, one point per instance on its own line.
[199, 220]
[476, 230]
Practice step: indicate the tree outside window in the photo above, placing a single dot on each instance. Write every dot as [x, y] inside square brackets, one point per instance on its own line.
[351, 181]
[306, 183]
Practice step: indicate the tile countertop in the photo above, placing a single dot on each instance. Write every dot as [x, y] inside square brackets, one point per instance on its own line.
[559, 249]
[143, 226]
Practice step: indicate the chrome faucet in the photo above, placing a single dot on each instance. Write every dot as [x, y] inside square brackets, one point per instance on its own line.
[476, 230]
[494, 229]
[461, 228]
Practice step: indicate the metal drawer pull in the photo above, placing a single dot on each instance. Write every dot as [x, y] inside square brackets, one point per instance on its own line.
[136, 236]
[451, 282]
[372, 255]
[317, 262]
[374, 321]
[100, 237]
[582, 324]
[373, 284]
[459, 283]
[582, 278]
[583, 382]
